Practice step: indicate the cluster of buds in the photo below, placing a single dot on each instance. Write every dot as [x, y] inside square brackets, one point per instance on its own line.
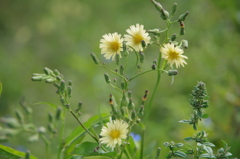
[174, 152]
[127, 110]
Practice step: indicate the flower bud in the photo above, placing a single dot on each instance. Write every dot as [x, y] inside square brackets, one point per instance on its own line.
[158, 153]
[154, 31]
[121, 70]
[70, 83]
[172, 72]
[69, 88]
[123, 85]
[67, 106]
[20, 116]
[50, 127]
[56, 72]
[117, 59]
[50, 117]
[110, 100]
[183, 16]
[58, 113]
[59, 78]
[141, 111]
[185, 44]
[62, 86]
[145, 96]
[56, 85]
[107, 79]
[95, 59]
[164, 14]
[157, 5]
[133, 115]
[62, 101]
[37, 78]
[182, 31]
[174, 8]
[114, 80]
[130, 104]
[11, 122]
[129, 94]
[47, 71]
[155, 62]
[142, 57]
[154, 67]
[143, 43]
[122, 111]
[50, 80]
[80, 105]
[174, 36]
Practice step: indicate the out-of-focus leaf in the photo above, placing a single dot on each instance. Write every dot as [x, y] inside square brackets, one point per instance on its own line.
[73, 157]
[79, 131]
[91, 149]
[46, 103]
[180, 154]
[188, 138]
[9, 153]
[131, 147]
[184, 121]
[206, 155]
[33, 138]
[205, 116]
[179, 145]
[208, 144]
[11, 122]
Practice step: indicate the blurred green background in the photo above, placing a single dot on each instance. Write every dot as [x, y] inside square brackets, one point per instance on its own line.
[61, 35]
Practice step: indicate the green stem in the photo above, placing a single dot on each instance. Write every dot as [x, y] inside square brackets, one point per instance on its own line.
[144, 73]
[95, 138]
[61, 134]
[46, 143]
[142, 143]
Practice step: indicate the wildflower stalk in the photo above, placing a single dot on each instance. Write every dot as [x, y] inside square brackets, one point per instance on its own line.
[61, 134]
[47, 143]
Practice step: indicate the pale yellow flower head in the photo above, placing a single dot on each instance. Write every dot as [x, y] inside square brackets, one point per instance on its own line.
[173, 55]
[135, 36]
[110, 45]
[113, 133]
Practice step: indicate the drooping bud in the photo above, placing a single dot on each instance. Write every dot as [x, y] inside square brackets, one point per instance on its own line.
[173, 38]
[50, 117]
[164, 14]
[56, 72]
[37, 78]
[129, 94]
[158, 153]
[143, 43]
[107, 79]
[95, 59]
[185, 44]
[69, 88]
[58, 113]
[174, 8]
[183, 16]
[20, 116]
[142, 57]
[172, 72]
[121, 70]
[117, 59]
[123, 85]
[154, 67]
[157, 5]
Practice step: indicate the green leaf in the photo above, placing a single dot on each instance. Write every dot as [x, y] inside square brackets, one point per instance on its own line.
[188, 138]
[205, 116]
[206, 155]
[184, 121]
[79, 131]
[228, 154]
[0, 88]
[180, 154]
[91, 149]
[179, 145]
[46, 103]
[73, 157]
[208, 144]
[9, 153]
[132, 147]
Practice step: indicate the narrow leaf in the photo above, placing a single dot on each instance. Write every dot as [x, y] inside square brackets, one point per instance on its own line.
[9, 153]
[180, 154]
[46, 103]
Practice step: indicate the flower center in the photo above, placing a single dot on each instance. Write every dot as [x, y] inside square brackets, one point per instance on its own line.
[114, 46]
[115, 134]
[137, 38]
[173, 55]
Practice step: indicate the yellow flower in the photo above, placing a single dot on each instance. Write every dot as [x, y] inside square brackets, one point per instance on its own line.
[173, 54]
[135, 37]
[114, 132]
[111, 44]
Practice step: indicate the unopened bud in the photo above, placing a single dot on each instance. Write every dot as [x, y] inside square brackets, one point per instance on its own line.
[183, 16]
[117, 58]
[47, 71]
[62, 86]
[123, 85]
[133, 115]
[114, 80]
[155, 62]
[174, 36]
[174, 8]
[164, 14]
[95, 59]
[154, 31]
[129, 94]
[56, 72]
[56, 85]
[141, 111]
[145, 96]
[143, 43]
[130, 104]
[58, 113]
[182, 31]
[62, 101]
[37, 78]
[110, 100]
[107, 79]
[67, 106]
[172, 72]
[121, 70]
[70, 83]
[157, 5]
[20, 116]
[50, 80]
[122, 111]
[50, 117]
[80, 105]
[69, 91]
[142, 57]
[158, 153]
[185, 44]
[154, 67]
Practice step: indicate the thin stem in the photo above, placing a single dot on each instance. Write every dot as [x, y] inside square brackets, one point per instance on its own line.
[46, 143]
[144, 73]
[60, 150]
[96, 139]
[115, 87]
[142, 143]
